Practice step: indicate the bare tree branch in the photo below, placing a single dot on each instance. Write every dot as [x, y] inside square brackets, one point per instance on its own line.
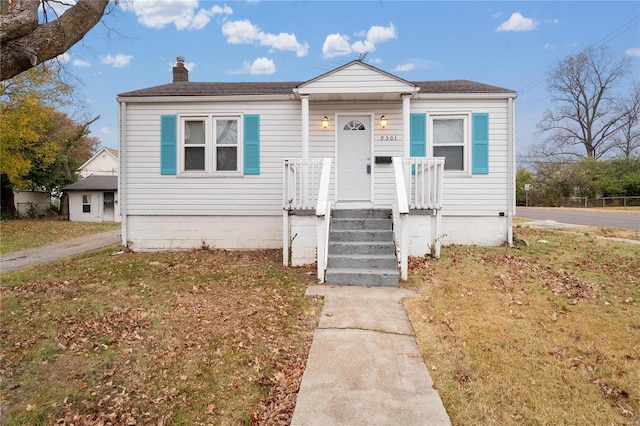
[25, 43]
[586, 114]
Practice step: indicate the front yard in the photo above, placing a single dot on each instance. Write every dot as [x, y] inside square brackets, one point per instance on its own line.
[547, 333]
[542, 334]
[196, 337]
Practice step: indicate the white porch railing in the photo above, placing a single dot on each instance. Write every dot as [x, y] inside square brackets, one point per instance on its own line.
[301, 183]
[323, 212]
[418, 183]
[423, 181]
[306, 187]
[400, 210]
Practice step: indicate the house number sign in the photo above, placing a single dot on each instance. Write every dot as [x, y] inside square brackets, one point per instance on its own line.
[388, 138]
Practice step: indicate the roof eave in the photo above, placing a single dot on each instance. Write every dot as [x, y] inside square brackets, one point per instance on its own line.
[182, 98]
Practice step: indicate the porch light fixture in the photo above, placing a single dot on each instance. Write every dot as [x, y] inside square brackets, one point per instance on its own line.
[325, 122]
[383, 121]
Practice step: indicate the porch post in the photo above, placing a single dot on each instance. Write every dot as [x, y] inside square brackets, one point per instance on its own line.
[406, 125]
[305, 125]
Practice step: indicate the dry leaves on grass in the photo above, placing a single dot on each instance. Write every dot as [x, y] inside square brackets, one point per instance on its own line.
[200, 337]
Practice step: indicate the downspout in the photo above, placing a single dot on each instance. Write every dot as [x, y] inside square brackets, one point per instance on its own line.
[406, 125]
[511, 208]
[122, 179]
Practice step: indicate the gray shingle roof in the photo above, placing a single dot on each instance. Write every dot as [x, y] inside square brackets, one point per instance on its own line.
[94, 183]
[286, 88]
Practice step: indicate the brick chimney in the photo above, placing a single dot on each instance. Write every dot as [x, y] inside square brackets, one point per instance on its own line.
[180, 73]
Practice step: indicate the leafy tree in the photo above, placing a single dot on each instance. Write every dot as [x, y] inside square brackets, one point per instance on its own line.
[523, 177]
[586, 117]
[27, 42]
[39, 146]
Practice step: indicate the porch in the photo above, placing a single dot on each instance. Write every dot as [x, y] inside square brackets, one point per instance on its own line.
[310, 199]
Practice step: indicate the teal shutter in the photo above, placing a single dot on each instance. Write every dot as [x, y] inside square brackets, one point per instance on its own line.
[418, 135]
[251, 144]
[480, 148]
[168, 140]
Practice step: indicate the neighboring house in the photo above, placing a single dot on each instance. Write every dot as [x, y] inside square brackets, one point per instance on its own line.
[253, 165]
[31, 203]
[104, 163]
[94, 199]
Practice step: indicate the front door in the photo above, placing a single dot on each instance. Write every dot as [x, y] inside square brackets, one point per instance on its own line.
[354, 158]
[108, 207]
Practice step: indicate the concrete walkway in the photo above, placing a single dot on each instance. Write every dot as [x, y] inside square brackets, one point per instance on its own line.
[364, 367]
[57, 251]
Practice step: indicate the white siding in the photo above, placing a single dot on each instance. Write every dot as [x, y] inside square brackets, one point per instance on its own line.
[322, 142]
[97, 207]
[148, 192]
[103, 164]
[484, 195]
[356, 78]
[280, 137]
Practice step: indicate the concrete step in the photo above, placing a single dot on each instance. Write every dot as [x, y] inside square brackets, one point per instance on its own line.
[362, 261]
[373, 214]
[371, 247]
[361, 223]
[369, 277]
[364, 235]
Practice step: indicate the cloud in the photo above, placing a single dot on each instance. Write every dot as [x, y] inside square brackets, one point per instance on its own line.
[183, 14]
[375, 61]
[261, 66]
[338, 44]
[517, 22]
[64, 58]
[245, 32]
[405, 67]
[117, 61]
[634, 51]
[105, 131]
[417, 64]
[188, 65]
[549, 46]
[81, 63]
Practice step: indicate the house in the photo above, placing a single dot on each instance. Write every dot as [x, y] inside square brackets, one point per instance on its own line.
[93, 199]
[104, 163]
[31, 203]
[270, 165]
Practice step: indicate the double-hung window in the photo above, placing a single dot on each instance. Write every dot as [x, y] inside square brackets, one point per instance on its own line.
[449, 134]
[210, 144]
[226, 144]
[195, 144]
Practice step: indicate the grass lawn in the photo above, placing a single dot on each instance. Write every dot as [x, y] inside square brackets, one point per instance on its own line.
[187, 338]
[20, 234]
[542, 334]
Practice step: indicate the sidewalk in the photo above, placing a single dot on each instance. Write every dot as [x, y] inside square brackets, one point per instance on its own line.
[364, 366]
[57, 251]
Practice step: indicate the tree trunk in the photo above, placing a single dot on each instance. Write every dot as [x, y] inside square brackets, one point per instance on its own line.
[8, 201]
[64, 205]
[20, 51]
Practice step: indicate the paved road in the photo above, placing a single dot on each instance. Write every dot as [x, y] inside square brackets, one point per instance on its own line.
[57, 251]
[582, 217]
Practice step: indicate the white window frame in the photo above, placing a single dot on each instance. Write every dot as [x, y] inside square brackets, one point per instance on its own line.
[466, 134]
[86, 197]
[210, 162]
